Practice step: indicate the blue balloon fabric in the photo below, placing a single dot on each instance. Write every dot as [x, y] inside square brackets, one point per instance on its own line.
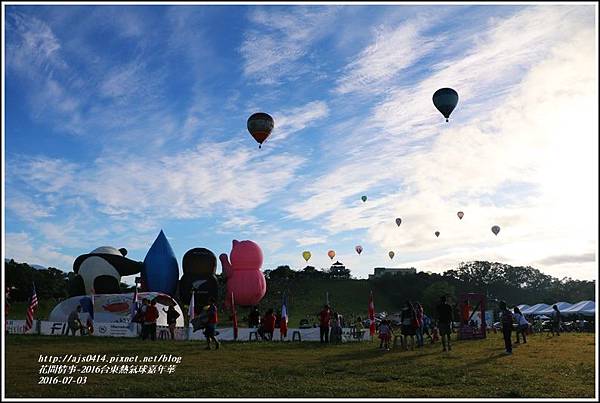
[161, 271]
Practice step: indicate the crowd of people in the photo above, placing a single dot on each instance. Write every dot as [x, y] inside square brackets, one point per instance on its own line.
[411, 328]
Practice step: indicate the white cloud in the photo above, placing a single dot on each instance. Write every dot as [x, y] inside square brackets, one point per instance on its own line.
[269, 56]
[392, 51]
[23, 248]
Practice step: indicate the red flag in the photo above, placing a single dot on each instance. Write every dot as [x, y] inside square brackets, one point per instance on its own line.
[371, 315]
[235, 323]
[33, 304]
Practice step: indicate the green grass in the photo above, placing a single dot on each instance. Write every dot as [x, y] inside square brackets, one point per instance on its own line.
[546, 367]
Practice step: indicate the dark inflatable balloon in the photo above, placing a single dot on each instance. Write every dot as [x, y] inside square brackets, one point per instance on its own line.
[445, 100]
[199, 274]
[398, 221]
[495, 229]
[161, 271]
[437, 233]
[260, 126]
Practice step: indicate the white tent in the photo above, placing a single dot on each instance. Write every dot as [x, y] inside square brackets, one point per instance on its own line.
[534, 309]
[522, 307]
[548, 311]
[587, 308]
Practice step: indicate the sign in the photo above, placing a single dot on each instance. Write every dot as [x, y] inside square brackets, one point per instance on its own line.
[18, 327]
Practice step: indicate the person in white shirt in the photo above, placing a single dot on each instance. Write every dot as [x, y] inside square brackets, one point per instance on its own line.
[522, 324]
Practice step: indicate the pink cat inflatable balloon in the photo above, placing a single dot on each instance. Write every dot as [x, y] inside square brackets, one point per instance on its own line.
[244, 278]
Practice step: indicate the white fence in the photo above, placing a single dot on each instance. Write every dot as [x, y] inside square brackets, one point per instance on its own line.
[162, 332]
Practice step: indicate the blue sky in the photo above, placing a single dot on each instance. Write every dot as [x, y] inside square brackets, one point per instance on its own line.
[125, 120]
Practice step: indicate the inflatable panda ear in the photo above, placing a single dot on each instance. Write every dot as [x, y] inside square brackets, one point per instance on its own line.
[123, 251]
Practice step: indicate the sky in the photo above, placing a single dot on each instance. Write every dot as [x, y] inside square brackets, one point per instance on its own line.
[125, 120]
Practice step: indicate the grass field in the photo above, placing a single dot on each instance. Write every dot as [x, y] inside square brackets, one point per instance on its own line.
[544, 367]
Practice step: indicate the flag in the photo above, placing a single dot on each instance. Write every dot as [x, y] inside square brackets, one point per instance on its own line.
[134, 309]
[371, 315]
[33, 304]
[192, 308]
[235, 322]
[283, 322]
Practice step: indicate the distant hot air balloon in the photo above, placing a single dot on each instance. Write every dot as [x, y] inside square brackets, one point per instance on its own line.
[331, 254]
[358, 249]
[398, 221]
[445, 100]
[437, 233]
[364, 198]
[260, 126]
[495, 229]
[460, 214]
[306, 255]
[391, 254]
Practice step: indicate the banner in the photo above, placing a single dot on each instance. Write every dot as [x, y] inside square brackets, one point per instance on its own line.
[18, 327]
[110, 308]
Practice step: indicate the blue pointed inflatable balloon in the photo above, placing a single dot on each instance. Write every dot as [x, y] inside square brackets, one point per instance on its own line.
[161, 271]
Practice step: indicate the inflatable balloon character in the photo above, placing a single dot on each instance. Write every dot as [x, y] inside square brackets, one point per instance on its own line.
[100, 271]
[161, 271]
[199, 275]
[244, 278]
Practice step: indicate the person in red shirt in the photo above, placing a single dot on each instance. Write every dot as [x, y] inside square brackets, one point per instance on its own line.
[324, 318]
[211, 325]
[150, 318]
[267, 325]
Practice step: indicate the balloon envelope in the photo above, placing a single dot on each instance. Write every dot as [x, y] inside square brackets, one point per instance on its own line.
[495, 229]
[445, 100]
[437, 233]
[398, 221]
[358, 249]
[331, 254]
[460, 214]
[364, 198]
[391, 254]
[260, 126]
[306, 255]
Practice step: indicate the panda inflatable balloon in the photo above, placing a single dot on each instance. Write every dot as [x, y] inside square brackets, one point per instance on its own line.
[100, 271]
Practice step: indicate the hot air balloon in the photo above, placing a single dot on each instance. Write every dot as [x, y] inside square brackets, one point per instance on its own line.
[260, 126]
[391, 254]
[331, 254]
[358, 249]
[445, 100]
[364, 198]
[306, 255]
[437, 233]
[398, 221]
[495, 229]
[460, 214]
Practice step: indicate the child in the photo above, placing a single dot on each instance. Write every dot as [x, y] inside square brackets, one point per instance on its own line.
[435, 334]
[385, 335]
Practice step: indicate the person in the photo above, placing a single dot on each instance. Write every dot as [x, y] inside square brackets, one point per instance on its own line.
[142, 316]
[267, 327]
[507, 323]
[435, 334]
[172, 316]
[427, 327]
[385, 334]
[211, 324]
[522, 325]
[75, 322]
[420, 325]
[336, 328]
[555, 321]
[254, 317]
[358, 329]
[150, 318]
[444, 319]
[408, 319]
[324, 318]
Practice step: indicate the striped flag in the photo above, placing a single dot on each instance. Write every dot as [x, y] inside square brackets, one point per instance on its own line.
[283, 322]
[371, 315]
[33, 304]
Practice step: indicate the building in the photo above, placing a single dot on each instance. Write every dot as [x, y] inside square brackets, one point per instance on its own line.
[380, 271]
